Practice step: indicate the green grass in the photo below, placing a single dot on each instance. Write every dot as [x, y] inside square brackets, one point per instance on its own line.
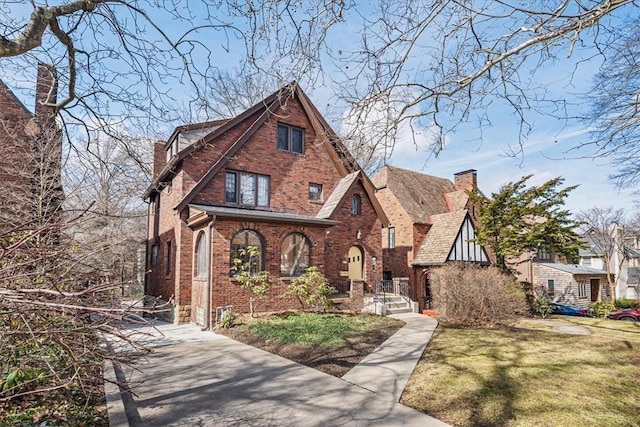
[517, 377]
[313, 329]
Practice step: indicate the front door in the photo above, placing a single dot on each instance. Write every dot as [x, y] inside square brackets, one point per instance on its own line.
[595, 289]
[355, 263]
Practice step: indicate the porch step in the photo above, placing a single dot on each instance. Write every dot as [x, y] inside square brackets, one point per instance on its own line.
[396, 304]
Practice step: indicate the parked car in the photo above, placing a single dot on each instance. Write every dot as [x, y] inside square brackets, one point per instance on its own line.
[567, 310]
[630, 314]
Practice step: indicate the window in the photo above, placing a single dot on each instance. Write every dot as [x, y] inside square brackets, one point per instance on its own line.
[392, 237]
[241, 240]
[168, 265]
[315, 192]
[290, 139]
[154, 254]
[582, 289]
[551, 287]
[250, 190]
[355, 205]
[201, 259]
[586, 261]
[294, 258]
[230, 187]
[544, 254]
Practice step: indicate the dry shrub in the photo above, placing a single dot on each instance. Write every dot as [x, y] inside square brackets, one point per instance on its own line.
[469, 295]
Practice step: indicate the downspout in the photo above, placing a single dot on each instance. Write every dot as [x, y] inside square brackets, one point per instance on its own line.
[207, 313]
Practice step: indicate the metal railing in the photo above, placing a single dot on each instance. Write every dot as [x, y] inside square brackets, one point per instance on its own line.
[396, 287]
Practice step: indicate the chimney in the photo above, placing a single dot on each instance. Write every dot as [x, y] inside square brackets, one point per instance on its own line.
[46, 93]
[466, 180]
[159, 158]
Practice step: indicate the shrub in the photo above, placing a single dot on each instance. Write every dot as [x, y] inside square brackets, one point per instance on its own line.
[601, 309]
[627, 303]
[542, 307]
[469, 295]
[228, 319]
[311, 288]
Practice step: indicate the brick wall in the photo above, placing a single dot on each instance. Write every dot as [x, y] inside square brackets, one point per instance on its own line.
[467, 180]
[396, 260]
[290, 175]
[345, 235]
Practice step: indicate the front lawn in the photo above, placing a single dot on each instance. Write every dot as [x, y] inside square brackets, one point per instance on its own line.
[516, 377]
[331, 343]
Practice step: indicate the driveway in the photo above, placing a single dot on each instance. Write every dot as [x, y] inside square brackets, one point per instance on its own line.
[196, 378]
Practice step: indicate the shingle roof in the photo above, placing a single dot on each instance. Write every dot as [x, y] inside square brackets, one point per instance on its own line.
[258, 215]
[420, 195]
[337, 195]
[572, 268]
[457, 200]
[438, 242]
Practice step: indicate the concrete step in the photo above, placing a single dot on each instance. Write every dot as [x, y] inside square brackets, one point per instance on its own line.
[398, 310]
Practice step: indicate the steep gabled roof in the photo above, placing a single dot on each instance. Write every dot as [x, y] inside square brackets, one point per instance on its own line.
[8, 95]
[339, 155]
[438, 242]
[457, 200]
[335, 199]
[420, 195]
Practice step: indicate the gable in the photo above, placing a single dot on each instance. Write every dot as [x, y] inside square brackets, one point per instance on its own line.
[450, 239]
[245, 150]
[465, 248]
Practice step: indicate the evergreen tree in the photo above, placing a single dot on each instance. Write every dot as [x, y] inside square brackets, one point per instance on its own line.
[521, 219]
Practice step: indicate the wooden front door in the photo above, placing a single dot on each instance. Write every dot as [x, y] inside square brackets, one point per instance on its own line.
[595, 289]
[355, 263]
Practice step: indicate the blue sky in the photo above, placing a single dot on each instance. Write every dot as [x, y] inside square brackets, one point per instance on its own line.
[547, 148]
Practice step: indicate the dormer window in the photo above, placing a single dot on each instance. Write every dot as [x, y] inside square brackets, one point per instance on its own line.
[290, 139]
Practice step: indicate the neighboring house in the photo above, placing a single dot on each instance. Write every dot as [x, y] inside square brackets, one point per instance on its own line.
[431, 222]
[275, 177]
[552, 278]
[31, 157]
[569, 283]
[625, 261]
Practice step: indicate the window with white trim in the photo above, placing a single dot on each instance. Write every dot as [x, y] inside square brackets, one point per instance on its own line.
[392, 237]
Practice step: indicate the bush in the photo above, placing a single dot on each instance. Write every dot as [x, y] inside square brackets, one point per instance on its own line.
[601, 309]
[469, 295]
[627, 303]
[311, 288]
[228, 319]
[542, 307]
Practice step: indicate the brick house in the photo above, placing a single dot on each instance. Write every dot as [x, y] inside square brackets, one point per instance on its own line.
[431, 222]
[30, 164]
[275, 177]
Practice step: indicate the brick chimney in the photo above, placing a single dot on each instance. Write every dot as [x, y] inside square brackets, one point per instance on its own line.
[159, 158]
[466, 180]
[46, 93]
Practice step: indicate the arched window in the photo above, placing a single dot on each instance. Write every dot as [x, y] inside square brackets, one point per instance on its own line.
[201, 257]
[295, 255]
[355, 205]
[239, 244]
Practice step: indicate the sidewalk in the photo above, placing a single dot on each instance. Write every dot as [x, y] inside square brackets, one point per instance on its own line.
[201, 378]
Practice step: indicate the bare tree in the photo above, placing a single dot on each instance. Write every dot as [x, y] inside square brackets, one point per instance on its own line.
[122, 64]
[605, 231]
[615, 113]
[434, 65]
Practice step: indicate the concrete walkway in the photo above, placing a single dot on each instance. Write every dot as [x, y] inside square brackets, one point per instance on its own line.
[201, 378]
